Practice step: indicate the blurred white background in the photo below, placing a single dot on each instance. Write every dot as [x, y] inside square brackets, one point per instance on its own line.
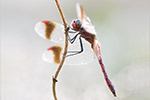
[123, 30]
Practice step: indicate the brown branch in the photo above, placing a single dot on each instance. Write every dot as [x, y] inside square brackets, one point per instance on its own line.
[65, 51]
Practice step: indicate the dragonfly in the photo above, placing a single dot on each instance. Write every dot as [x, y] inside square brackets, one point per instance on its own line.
[83, 47]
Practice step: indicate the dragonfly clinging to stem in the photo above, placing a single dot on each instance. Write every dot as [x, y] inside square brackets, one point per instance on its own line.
[83, 33]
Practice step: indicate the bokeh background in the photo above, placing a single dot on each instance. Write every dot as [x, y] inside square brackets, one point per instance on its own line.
[123, 31]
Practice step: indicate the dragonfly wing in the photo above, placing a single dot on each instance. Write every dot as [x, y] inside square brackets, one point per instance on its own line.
[51, 31]
[55, 53]
[83, 58]
[80, 12]
[86, 22]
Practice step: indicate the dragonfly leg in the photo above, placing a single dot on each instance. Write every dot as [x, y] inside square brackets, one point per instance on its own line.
[67, 29]
[73, 39]
[72, 31]
[76, 52]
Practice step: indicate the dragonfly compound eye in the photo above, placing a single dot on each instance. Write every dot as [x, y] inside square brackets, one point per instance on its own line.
[78, 24]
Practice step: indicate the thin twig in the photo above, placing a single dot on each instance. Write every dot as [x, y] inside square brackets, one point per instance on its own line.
[65, 51]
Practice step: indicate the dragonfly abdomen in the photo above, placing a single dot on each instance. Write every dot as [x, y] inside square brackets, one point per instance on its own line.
[111, 87]
[98, 54]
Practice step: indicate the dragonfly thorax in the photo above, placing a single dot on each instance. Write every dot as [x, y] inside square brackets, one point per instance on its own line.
[76, 24]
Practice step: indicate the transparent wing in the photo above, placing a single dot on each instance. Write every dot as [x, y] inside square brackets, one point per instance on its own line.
[83, 58]
[80, 59]
[51, 31]
[86, 22]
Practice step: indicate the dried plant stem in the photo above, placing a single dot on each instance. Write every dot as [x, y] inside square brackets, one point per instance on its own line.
[65, 51]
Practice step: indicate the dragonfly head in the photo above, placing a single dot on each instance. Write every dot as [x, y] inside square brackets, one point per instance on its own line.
[76, 24]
